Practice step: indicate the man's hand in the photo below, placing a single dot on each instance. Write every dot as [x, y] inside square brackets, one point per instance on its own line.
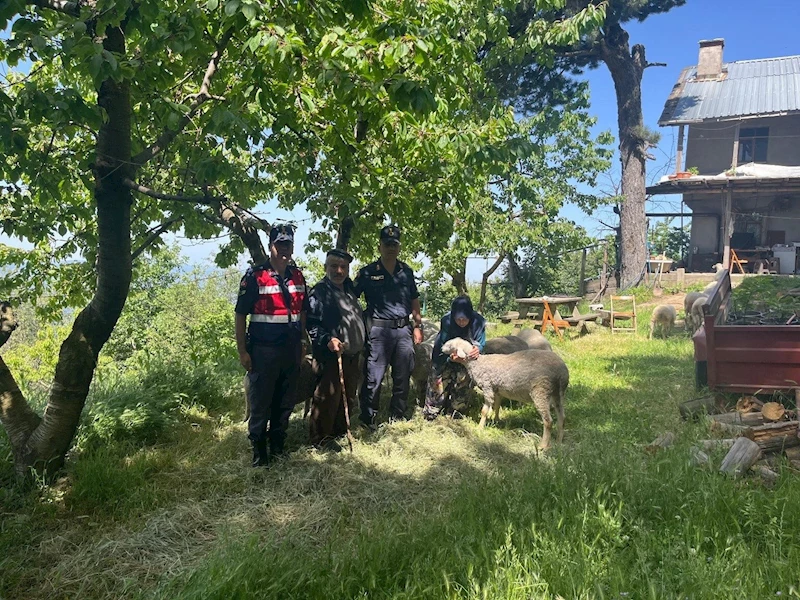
[246, 361]
[417, 335]
[474, 353]
[335, 345]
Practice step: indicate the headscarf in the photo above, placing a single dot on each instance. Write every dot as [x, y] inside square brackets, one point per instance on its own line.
[461, 307]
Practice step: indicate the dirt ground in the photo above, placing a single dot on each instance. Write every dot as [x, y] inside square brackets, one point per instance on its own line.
[675, 300]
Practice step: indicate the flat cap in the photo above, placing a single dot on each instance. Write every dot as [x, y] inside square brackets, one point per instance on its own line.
[340, 254]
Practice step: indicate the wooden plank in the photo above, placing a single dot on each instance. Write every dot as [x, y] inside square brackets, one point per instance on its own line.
[756, 355]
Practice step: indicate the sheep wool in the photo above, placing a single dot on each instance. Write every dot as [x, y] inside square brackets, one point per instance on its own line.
[536, 376]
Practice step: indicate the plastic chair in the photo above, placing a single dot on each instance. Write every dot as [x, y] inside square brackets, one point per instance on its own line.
[626, 312]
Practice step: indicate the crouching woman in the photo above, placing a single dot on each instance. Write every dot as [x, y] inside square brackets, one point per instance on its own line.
[448, 381]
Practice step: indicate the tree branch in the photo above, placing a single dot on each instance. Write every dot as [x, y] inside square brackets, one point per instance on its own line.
[246, 227]
[205, 199]
[648, 65]
[8, 323]
[156, 233]
[166, 138]
[485, 280]
[16, 415]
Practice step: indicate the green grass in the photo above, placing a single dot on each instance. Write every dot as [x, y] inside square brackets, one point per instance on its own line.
[419, 510]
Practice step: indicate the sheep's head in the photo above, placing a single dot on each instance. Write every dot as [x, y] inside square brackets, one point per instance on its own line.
[458, 345]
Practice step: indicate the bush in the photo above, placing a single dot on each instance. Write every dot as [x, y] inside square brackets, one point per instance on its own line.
[437, 296]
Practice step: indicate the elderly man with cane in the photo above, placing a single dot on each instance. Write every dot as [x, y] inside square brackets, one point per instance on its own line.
[336, 328]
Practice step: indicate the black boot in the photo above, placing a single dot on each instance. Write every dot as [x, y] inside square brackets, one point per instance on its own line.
[260, 456]
[276, 446]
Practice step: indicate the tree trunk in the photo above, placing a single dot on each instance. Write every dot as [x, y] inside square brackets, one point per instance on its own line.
[485, 280]
[44, 447]
[345, 232]
[517, 280]
[626, 68]
[459, 277]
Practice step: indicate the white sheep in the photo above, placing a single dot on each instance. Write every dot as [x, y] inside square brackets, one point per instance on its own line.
[534, 339]
[710, 288]
[537, 376]
[663, 317]
[698, 317]
[688, 301]
[504, 344]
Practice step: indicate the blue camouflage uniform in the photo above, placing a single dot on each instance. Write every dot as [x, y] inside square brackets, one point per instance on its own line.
[389, 335]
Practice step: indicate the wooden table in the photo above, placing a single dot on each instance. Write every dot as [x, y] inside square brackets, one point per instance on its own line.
[569, 304]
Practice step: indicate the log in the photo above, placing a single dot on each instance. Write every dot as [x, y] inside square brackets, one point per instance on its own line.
[792, 453]
[725, 443]
[748, 404]
[768, 475]
[774, 437]
[697, 457]
[735, 418]
[773, 411]
[743, 454]
[734, 424]
[707, 405]
[665, 440]
[773, 461]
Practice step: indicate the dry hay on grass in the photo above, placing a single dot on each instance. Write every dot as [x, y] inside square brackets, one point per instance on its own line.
[301, 498]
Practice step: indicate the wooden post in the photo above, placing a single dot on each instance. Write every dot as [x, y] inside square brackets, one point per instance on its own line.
[582, 281]
[727, 200]
[735, 159]
[679, 153]
[604, 278]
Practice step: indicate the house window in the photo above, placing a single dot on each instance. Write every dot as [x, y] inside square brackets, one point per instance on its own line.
[753, 144]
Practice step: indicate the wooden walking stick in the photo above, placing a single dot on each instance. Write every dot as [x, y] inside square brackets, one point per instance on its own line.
[344, 400]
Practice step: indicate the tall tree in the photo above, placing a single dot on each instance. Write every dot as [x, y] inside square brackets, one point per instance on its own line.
[609, 44]
[519, 208]
[128, 119]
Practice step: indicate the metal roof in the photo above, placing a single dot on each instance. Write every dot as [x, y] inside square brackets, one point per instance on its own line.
[747, 88]
[714, 185]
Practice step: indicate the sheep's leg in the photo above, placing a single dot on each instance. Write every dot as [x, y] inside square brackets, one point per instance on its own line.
[560, 397]
[541, 394]
[652, 327]
[497, 408]
[488, 403]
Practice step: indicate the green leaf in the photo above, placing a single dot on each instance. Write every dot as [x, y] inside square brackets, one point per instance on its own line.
[249, 11]
[212, 5]
[231, 6]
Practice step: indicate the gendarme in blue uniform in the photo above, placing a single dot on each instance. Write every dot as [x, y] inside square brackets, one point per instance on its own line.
[388, 295]
[389, 334]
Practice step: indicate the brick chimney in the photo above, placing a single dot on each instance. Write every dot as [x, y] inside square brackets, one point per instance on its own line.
[709, 64]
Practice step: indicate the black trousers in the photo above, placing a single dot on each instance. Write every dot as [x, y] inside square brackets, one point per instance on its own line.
[387, 347]
[273, 385]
